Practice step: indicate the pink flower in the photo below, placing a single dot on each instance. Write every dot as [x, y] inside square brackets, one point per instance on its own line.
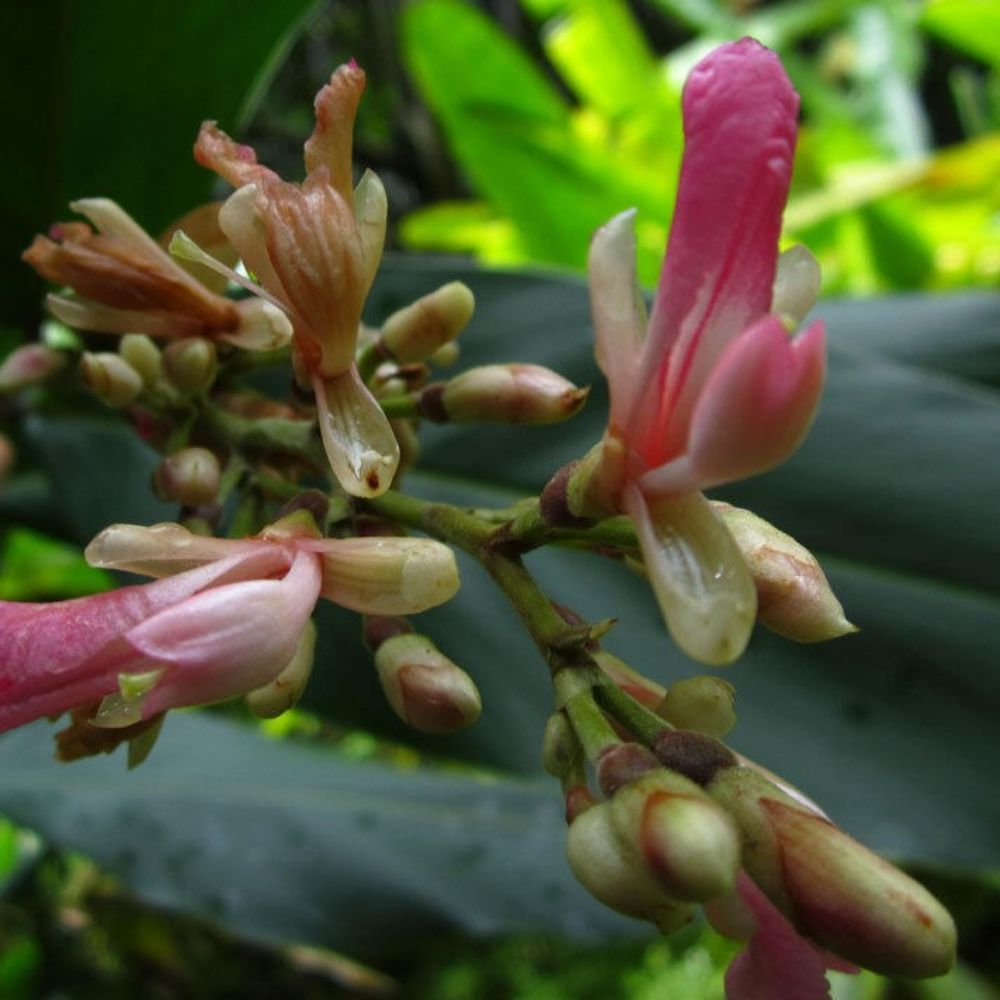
[224, 620]
[314, 248]
[712, 389]
[777, 963]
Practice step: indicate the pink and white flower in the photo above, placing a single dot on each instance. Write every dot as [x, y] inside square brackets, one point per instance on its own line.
[223, 619]
[314, 249]
[711, 389]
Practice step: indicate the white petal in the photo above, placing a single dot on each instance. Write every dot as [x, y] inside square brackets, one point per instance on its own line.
[371, 210]
[263, 326]
[362, 450]
[618, 311]
[796, 285]
[702, 583]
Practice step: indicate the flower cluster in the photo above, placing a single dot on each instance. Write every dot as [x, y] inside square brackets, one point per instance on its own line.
[711, 388]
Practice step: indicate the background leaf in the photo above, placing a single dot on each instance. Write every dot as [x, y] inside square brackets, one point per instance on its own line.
[106, 99]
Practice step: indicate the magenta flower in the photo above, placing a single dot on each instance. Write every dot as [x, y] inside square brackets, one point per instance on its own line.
[712, 389]
[225, 619]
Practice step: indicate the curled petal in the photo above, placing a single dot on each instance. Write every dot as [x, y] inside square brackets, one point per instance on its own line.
[386, 576]
[167, 549]
[331, 143]
[229, 640]
[717, 279]
[362, 450]
[235, 162]
[703, 586]
[618, 311]
[241, 220]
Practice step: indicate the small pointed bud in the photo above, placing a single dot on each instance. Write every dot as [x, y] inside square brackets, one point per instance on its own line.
[644, 690]
[796, 285]
[615, 872]
[561, 750]
[689, 843]
[191, 364]
[855, 903]
[144, 356]
[621, 764]
[284, 691]
[794, 597]
[27, 365]
[111, 378]
[703, 704]
[189, 477]
[425, 689]
[123, 709]
[417, 331]
[140, 745]
[508, 394]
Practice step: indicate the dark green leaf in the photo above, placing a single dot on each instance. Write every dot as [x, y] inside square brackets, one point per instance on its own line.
[106, 99]
[287, 842]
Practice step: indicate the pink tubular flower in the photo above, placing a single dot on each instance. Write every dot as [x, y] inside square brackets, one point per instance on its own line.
[314, 248]
[713, 389]
[224, 620]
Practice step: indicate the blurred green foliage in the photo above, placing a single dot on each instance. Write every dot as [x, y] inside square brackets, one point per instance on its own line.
[551, 160]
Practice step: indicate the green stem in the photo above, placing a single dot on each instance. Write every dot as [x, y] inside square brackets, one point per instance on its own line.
[531, 530]
[369, 358]
[294, 437]
[401, 407]
[639, 720]
[591, 727]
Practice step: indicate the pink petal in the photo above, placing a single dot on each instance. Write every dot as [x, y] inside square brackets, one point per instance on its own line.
[331, 143]
[740, 125]
[778, 964]
[228, 640]
[700, 579]
[54, 657]
[619, 314]
[231, 160]
[754, 410]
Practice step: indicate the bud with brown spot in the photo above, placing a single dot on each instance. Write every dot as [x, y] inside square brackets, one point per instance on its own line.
[507, 394]
[794, 597]
[423, 687]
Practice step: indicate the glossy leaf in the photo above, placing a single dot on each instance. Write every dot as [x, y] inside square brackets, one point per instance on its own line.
[98, 113]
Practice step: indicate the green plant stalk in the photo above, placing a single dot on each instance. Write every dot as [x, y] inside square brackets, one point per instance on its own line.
[645, 725]
[402, 407]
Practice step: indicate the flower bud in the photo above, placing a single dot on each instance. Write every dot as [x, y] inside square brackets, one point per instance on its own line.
[561, 749]
[620, 764]
[425, 689]
[144, 356]
[27, 365]
[446, 355]
[794, 598]
[190, 477]
[191, 364]
[420, 329]
[614, 871]
[833, 889]
[689, 843]
[857, 904]
[645, 691]
[509, 394]
[284, 691]
[703, 704]
[111, 378]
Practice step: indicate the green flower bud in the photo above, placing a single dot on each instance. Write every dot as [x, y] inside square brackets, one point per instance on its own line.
[111, 378]
[144, 356]
[561, 749]
[690, 845]
[614, 871]
[794, 597]
[190, 477]
[703, 704]
[509, 394]
[284, 691]
[425, 689]
[417, 331]
[191, 364]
